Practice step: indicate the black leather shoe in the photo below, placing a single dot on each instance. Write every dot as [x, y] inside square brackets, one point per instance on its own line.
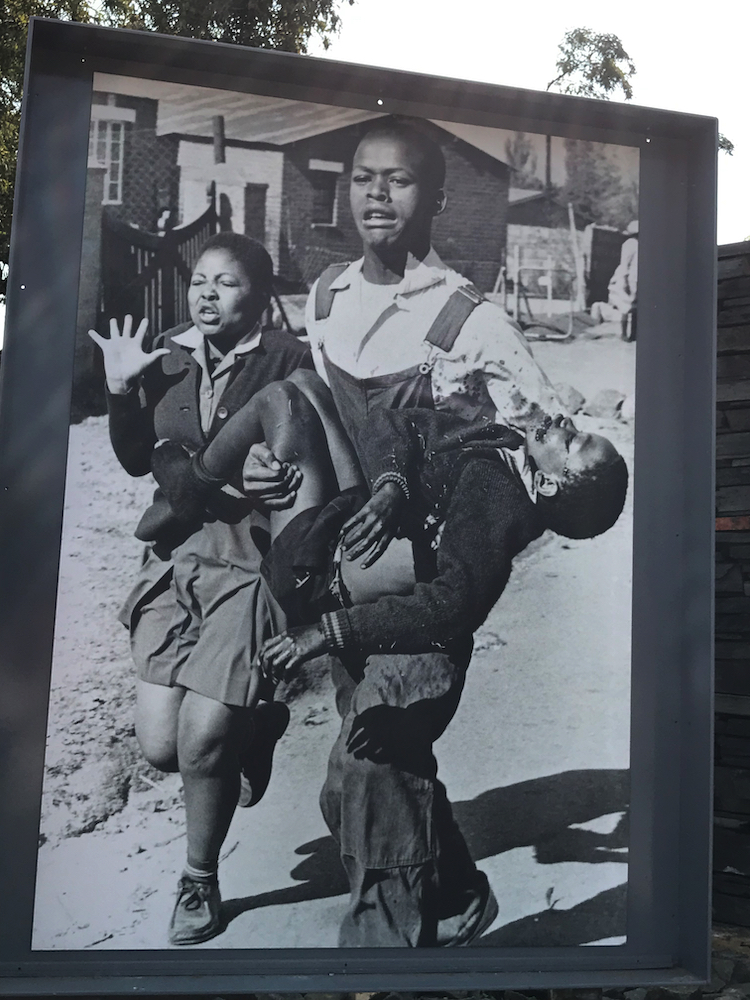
[270, 720]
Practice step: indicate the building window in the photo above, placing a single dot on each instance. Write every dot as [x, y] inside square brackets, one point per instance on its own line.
[324, 198]
[107, 145]
[106, 142]
[324, 175]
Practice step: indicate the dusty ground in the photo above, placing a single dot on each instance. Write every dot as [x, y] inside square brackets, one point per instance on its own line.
[535, 759]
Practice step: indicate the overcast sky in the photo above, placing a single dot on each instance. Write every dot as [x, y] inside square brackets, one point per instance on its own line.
[689, 58]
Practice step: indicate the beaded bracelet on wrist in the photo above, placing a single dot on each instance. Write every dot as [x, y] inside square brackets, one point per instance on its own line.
[337, 631]
[392, 477]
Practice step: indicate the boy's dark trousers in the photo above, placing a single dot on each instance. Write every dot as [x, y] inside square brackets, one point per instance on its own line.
[406, 860]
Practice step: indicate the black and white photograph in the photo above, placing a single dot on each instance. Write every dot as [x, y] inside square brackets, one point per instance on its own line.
[342, 646]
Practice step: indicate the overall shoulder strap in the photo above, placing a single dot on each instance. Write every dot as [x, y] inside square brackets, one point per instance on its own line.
[451, 318]
[324, 293]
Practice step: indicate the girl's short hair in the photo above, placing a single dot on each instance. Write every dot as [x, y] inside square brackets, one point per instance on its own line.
[250, 254]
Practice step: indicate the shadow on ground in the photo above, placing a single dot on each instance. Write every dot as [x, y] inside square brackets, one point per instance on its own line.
[536, 813]
[602, 916]
[539, 813]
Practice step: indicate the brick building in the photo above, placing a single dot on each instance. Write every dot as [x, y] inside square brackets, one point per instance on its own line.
[317, 227]
[280, 171]
[293, 196]
[162, 157]
[141, 174]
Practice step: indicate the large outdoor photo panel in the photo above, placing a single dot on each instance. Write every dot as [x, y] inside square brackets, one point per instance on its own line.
[536, 758]
[553, 734]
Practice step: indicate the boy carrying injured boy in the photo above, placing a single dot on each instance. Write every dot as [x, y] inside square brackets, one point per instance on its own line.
[449, 486]
[385, 335]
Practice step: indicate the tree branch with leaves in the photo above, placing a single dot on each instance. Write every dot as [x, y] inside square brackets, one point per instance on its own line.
[597, 65]
[593, 65]
[271, 24]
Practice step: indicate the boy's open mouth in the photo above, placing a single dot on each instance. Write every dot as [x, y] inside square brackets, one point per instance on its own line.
[377, 215]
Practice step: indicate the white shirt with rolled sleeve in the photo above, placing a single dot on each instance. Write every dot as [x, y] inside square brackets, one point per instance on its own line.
[376, 330]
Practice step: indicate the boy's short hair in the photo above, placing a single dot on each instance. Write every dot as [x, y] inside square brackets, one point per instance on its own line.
[589, 503]
[252, 257]
[414, 132]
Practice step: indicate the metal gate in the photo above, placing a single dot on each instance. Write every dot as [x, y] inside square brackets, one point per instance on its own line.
[147, 274]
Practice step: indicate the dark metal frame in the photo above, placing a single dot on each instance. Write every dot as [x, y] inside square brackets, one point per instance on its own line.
[668, 897]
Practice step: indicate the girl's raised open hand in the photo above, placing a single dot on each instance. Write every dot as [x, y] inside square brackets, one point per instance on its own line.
[124, 357]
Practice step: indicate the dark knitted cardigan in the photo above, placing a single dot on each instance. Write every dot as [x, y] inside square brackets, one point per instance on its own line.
[453, 470]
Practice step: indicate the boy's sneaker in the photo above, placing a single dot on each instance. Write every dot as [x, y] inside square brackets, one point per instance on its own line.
[197, 912]
[270, 720]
